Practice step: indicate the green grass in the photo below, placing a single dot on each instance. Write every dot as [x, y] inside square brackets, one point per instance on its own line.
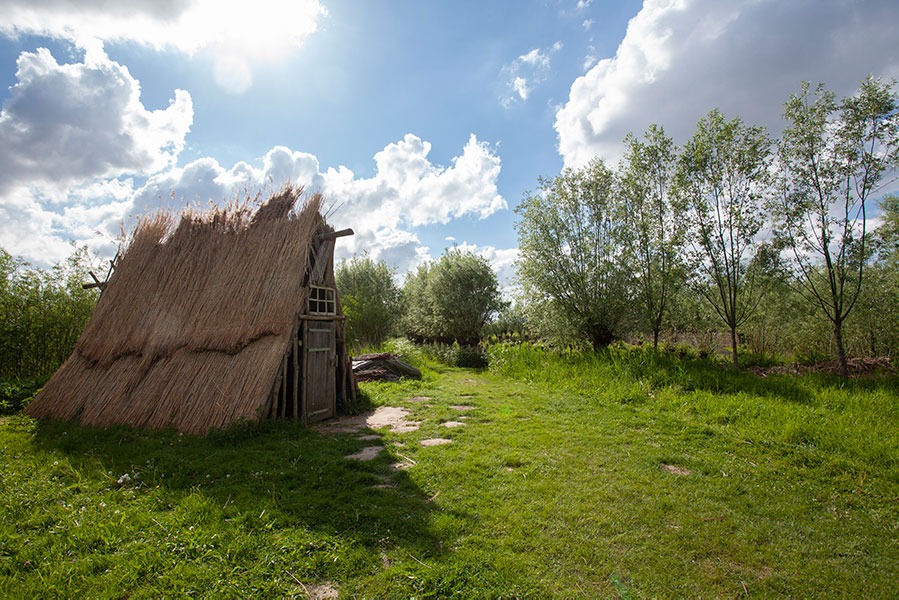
[629, 474]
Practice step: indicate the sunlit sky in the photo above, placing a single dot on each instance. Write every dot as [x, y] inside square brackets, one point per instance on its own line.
[423, 123]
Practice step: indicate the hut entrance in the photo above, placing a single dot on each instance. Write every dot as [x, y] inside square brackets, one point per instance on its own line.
[319, 378]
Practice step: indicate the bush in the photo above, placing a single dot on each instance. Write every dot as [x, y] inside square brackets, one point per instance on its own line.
[16, 394]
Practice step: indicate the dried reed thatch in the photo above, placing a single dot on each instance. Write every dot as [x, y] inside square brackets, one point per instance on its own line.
[193, 326]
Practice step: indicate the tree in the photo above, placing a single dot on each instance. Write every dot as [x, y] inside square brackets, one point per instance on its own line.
[876, 313]
[571, 255]
[832, 158]
[654, 230]
[452, 299]
[720, 182]
[370, 298]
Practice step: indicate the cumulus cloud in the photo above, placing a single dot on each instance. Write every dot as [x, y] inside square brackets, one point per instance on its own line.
[680, 59]
[65, 123]
[233, 33]
[525, 73]
[71, 138]
[502, 260]
[407, 191]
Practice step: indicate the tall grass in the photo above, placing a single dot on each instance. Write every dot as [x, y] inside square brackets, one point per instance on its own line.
[856, 420]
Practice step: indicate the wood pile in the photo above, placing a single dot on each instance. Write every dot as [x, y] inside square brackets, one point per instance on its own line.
[382, 367]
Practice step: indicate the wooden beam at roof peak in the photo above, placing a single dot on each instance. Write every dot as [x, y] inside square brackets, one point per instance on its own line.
[333, 235]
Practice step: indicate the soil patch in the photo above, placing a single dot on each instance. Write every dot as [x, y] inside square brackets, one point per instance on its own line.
[676, 470]
[321, 591]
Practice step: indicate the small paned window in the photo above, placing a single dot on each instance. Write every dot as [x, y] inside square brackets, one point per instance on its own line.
[321, 301]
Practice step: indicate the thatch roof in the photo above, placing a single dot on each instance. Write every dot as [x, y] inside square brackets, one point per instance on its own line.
[192, 326]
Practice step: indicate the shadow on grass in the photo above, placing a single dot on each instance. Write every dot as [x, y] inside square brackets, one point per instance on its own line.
[268, 477]
[663, 369]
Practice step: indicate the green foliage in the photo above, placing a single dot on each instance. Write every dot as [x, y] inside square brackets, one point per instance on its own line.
[44, 312]
[874, 326]
[654, 230]
[573, 264]
[451, 299]
[720, 183]
[833, 156]
[370, 299]
[16, 394]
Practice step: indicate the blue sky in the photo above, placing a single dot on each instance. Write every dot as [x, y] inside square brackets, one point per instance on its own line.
[423, 123]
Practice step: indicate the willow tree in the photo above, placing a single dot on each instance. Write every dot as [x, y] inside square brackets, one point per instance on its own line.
[833, 157]
[571, 259]
[720, 186]
[451, 299]
[654, 229]
[370, 298]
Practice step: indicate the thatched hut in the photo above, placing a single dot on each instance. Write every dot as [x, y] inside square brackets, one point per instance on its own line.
[224, 316]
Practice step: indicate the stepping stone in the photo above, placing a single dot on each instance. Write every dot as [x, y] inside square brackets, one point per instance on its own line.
[462, 407]
[453, 424]
[436, 442]
[367, 453]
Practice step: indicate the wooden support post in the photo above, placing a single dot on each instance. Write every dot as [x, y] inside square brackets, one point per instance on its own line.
[296, 377]
[305, 367]
[283, 395]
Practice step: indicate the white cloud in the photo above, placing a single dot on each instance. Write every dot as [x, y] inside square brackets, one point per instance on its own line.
[234, 33]
[407, 191]
[681, 58]
[71, 136]
[525, 73]
[501, 260]
[587, 24]
[65, 123]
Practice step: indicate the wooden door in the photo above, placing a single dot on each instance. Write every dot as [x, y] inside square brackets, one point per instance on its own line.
[319, 370]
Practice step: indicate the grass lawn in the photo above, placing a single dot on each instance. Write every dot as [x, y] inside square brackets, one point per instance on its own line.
[571, 477]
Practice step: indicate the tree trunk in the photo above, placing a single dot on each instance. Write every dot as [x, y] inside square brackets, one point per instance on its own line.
[600, 337]
[841, 351]
[733, 346]
[655, 340]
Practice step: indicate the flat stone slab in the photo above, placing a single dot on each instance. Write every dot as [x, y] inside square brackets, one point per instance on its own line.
[367, 453]
[385, 416]
[393, 417]
[436, 442]
[453, 424]
[462, 407]
[368, 438]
